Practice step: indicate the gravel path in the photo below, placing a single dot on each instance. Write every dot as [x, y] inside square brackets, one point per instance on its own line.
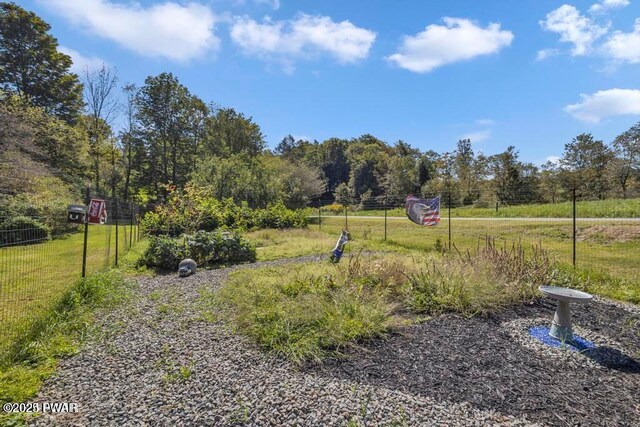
[157, 362]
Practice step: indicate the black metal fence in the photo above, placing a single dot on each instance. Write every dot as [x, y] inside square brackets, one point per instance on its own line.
[602, 235]
[42, 255]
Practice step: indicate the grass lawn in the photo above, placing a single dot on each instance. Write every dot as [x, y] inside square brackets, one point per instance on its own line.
[33, 278]
[58, 332]
[613, 208]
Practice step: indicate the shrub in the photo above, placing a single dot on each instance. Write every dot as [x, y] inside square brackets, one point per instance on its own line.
[194, 209]
[206, 248]
[46, 198]
[23, 230]
[278, 216]
[219, 248]
[334, 209]
[164, 253]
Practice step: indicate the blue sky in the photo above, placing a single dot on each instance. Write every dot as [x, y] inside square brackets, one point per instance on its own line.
[531, 73]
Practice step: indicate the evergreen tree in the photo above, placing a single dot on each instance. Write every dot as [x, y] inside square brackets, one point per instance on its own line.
[32, 66]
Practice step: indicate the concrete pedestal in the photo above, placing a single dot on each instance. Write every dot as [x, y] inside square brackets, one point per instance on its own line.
[561, 325]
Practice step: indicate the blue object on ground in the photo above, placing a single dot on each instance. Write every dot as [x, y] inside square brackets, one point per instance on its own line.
[541, 333]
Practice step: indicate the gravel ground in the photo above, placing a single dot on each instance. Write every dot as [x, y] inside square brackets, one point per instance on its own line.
[157, 362]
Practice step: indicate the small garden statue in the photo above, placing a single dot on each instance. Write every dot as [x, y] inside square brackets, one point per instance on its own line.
[336, 254]
[187, 267]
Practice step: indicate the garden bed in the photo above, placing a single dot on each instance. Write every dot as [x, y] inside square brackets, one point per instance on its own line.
[478, 360]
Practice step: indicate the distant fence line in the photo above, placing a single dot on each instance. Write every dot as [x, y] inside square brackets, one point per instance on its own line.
[577, 234]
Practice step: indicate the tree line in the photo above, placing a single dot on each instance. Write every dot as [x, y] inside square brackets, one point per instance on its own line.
[64, 126]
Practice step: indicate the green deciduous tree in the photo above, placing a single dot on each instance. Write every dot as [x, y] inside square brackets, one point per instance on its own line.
[584, 165]
[230, 132]
[627, 161]
[507, 179]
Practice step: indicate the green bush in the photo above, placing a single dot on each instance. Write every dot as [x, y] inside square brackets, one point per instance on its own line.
[206, 248]
[23, 230]
[278, 216]
[194, 209]
[164, 253]
[219, 248]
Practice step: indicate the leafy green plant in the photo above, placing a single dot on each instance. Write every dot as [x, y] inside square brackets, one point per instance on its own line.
[192, 210]
[163, 253]
[206, 248]
[22, 230]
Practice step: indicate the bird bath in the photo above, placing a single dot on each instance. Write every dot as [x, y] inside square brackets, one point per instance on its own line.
[561, 326]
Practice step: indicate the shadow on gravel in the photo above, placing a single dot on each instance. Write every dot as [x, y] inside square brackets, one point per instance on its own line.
[456, 359]
[612, 358]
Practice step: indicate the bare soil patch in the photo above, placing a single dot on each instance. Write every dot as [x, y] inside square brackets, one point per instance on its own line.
[609, 233]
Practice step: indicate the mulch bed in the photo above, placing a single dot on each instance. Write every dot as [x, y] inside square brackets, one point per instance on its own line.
[457, 359]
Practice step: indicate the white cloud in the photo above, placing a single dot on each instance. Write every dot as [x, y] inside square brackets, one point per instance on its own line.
[574, 28]
[553, 159]
[624, 47]
[274, 4]
[81, 62]
[479, 136]
[304, 36]
[606, 103]
[546, 53]
[486, 122]
[605, 5]
[170, 30]
[458, 40]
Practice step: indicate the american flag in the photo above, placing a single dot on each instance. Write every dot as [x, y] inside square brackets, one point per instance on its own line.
[422, 211]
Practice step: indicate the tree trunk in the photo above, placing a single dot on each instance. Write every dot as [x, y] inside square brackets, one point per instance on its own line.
[128, 171]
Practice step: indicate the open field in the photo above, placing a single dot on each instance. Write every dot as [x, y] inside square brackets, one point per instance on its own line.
[612, 208]
[35, 277]
[602, 248]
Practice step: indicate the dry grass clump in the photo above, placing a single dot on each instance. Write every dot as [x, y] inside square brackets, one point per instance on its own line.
[480, 282]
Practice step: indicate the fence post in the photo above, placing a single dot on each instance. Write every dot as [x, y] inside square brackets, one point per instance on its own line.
[319, 215]
[130, 224]
[574, 227]
[449, 207]
[346, 216]
[115, 217]
[137, 224]
[87, 201]
[385, 217]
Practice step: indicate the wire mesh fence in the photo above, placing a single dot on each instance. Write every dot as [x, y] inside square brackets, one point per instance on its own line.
[42, 255]
[598, 235]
